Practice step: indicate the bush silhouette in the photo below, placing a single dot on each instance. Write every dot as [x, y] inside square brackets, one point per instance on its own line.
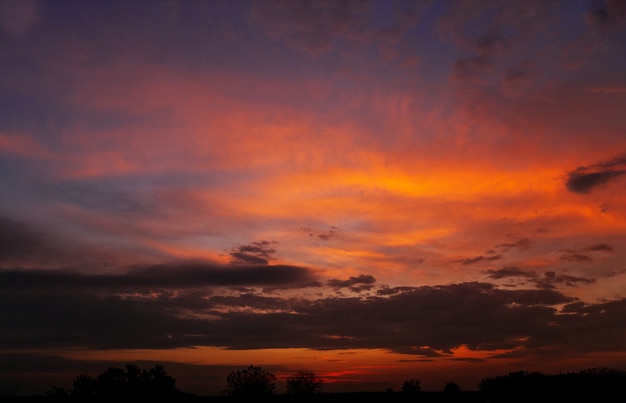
[252, 381]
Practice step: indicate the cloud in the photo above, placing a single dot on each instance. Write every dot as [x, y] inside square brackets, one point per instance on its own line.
[317, 27]
[362, 280]
[477, 259]
[19, 240]
[606, 89]
[18, 17]
[471, 69]
[581, 255]
[312, 25]
[510, 271]
[521, 243]
[257, 253]
[443, 317]
[186, 274]
[601, 247]
[551, 278]
[586, 178]
[547, 281]
[606, 14]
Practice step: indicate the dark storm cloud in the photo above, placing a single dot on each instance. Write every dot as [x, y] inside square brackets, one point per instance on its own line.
[548, 280]
[586, 178]
[256, 253]
[166, 276]
[442, 317]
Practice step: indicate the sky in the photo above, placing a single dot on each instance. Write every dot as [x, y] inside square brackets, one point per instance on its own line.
[372, 190]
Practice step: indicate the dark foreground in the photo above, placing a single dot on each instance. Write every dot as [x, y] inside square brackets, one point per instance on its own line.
[422, 397]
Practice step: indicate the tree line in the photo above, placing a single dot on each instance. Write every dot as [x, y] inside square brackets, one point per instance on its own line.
[596, 384]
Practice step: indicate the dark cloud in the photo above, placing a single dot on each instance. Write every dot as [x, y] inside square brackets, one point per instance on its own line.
[257, 253]
[29, 245]
[103, 196]
[325, 236]
[471, 69]
[576, 257]
[488, 31]
[550, 278]
[493, 255]
[385, 290]
[478, 315]
[477, 259]
[598, 247]
[606, 14]
[545, 281]
[363, 279]
[309, 26]
[521, 243]
[586, 178]
[166, 276]
[19, 241]
[507, 272]
[319, 26]
[581, 255]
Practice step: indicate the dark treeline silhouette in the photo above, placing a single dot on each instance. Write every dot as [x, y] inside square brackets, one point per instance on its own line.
[596, 385]
[118, 383]
[592, 385]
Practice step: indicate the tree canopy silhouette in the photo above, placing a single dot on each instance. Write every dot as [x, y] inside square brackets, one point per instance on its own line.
[412, 386]
[132, 382]
[304, 383]
[595, 384]
[249, 382]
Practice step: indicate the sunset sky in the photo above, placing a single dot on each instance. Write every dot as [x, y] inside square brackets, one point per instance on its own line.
[372, 190]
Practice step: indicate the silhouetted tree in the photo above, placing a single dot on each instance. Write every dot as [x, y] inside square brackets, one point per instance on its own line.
[451, 388]
[252, 381]
[57, 392]
[84, 386]
[134, 382]
[412, 386]
[452, 392]
[304, 383]
[158, 382]
[111, 383]
[596, 384]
